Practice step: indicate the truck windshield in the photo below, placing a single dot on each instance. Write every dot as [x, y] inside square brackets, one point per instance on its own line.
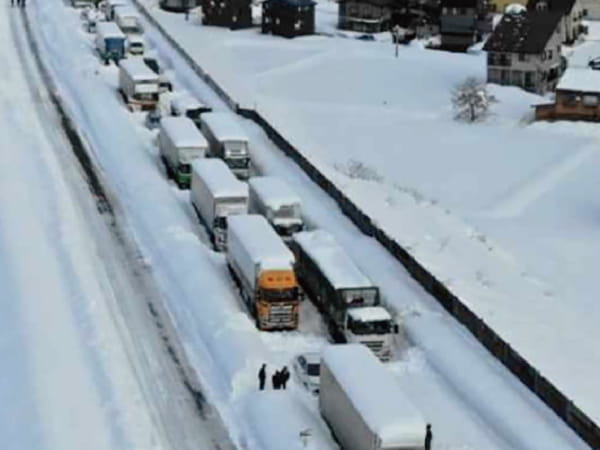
[279, 295]
[114, 44]
[288, 212]
[238, 163]
[364, 328]
[184, 168]
[313, 370]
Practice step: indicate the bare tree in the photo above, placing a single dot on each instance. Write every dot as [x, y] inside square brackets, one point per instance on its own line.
[471, 100]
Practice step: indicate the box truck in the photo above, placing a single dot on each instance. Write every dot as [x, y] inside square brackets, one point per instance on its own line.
[227, 141]
[363, 404]
[128, 20]
[180, 143]
[110, 42]
[347, 299]
[186, 105]
[138, 84]
[216, 194]
[273, 198]
[263, 268]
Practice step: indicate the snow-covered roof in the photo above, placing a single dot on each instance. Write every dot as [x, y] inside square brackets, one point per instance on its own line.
[261, 242]
[369, 314]
[182, 132]
[219, 179]
[186, 101]
[274, 192]
[137, 69]
[331, 258]
[137, 39]
[224, 126]
[375, 393]
[109, 30]
[580, 79]
[123, 10]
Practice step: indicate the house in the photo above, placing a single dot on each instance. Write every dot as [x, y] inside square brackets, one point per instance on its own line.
[525, 50]
[178, 5]
[367, 16]
[577, 97]
[499, 6]
[573, 13]
[234, 14]
[288, 18]
[462, 23]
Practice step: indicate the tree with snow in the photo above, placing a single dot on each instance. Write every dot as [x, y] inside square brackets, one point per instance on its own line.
[471, 101]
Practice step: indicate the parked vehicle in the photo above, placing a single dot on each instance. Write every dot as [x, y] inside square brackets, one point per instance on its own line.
[138, 84]
[227, 141]
[363, 404]
[216, 194]
[151, 60]
[128, 20]
[273, 198]
[307, 367]
[180, 143]
[108, 7]
[153, 119]
[110, 42]
[348, 300]
[263, 268]
[594, 63]
[135, 44]
[82, 3]
[187, 106]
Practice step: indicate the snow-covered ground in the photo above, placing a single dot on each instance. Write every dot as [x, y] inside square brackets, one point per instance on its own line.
[503, 212]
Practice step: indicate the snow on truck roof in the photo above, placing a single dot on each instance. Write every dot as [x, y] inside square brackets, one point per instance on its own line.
[109, 30]
[273, 191]
[375, 393]
[123, 10]
[224, 126]
[137, 69]
[219, 179]
[183, 132]
[261, 242]
[331, 258]
[186, 101]
[369, 314]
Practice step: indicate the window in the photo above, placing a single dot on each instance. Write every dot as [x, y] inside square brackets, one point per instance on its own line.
[590, 100]
[549, 54]
[517, 77]
[454, 11]
[523, 57]
[529, 78]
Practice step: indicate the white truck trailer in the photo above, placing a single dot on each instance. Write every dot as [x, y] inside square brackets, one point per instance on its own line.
[216, 194]
[274, 198]
[128, 20]
[348, 300]
[263, 268]
[180, 143]
[363, 404]
[227, 141]
[138, 85]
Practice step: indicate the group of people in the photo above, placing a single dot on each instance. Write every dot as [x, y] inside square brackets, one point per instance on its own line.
[20, 3]
[279, 378]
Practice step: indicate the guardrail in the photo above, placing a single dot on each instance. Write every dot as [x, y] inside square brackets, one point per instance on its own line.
[576, 419]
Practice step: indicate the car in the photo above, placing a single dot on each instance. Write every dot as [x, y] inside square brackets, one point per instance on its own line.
[366, 37]
[153, 119]
[307, 367]
[594, 63]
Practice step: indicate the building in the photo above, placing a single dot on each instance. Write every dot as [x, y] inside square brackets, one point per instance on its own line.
[288, 18]
[178, 5]
[572, 11]
[462, 23]
[367, 16]
[499, 6]
[577, 97]
[234, 14]
[525, 50]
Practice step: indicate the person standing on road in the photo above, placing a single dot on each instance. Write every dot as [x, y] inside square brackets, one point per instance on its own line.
[276, 380]
[428, 437]
[285, 376]
[262, 377]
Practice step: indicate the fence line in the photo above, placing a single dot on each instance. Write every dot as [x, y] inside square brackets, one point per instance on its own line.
[543, 388]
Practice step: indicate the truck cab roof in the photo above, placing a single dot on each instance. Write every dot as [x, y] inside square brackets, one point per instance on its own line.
[370, 314]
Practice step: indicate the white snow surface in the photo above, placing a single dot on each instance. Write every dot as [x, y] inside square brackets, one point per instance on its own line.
[183, 133]
[501, 211]
[331, 258]
[219, 179]
[375, 394]
[273, 192]
[369, 313]
[225, 126]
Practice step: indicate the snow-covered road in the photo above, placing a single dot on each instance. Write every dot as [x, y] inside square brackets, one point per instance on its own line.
[83, 362]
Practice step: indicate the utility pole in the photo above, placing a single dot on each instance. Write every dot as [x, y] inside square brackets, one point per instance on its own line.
[396, 37]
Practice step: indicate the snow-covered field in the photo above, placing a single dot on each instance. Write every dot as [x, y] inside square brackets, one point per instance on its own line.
[503, 211]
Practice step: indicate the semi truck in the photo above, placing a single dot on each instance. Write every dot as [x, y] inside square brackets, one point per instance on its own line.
[186, 105]
[138, 84]
[263, 268]
[363, 404]
[273, 198]
[227, 141]
[347, 299]
[127, 19]
[180, 143]
[216, 194]
[110, 42]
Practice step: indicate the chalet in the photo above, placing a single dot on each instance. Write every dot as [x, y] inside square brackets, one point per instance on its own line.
[178, 5]
[572, 12]
[367, 16]
[288, 18]
[525, 50]
[577, 97]
[234, 14]
[462, 23]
